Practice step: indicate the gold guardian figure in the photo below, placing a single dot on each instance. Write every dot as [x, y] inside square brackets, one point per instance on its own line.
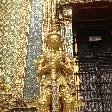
[54, 67]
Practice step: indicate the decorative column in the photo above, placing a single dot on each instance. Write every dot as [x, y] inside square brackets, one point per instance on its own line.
[34, 49]
[14, 32]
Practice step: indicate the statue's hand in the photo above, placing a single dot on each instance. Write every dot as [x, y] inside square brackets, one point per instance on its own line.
[56, 64]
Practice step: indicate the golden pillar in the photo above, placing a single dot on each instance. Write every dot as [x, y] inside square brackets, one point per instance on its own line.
[14, 19]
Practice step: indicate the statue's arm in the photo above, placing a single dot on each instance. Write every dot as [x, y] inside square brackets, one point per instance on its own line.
[67, 69]
[41, 66]
[68, 65]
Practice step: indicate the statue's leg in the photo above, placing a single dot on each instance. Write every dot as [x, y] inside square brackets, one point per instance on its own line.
[67, 99]
[44, 102]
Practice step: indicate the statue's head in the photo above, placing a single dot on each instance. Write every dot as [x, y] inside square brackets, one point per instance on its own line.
[53, 41]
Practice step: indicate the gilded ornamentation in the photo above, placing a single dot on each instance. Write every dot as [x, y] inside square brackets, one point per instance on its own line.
[13, 42]
[54, 67]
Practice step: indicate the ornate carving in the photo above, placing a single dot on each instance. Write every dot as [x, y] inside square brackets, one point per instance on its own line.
[54, 67]
[13, 42]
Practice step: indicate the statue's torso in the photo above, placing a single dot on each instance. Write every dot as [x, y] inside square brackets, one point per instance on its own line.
[57, 57]
[51, 56]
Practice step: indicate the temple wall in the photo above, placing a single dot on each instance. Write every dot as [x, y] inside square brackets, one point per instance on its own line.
[14, 20]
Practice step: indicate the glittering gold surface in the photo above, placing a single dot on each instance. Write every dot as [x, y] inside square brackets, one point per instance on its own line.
[14, 20]
[55, 68]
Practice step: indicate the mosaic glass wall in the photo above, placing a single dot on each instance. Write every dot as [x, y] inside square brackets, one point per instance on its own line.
[31, 87]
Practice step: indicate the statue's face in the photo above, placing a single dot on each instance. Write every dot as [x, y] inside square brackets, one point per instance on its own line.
[53, 42]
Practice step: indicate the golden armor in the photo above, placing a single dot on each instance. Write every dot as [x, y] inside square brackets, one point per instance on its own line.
[54, 67]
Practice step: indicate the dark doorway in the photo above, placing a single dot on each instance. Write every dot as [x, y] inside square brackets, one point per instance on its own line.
[92, 25]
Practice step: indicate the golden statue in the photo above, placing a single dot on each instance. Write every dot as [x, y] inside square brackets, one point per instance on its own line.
[54, 67]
